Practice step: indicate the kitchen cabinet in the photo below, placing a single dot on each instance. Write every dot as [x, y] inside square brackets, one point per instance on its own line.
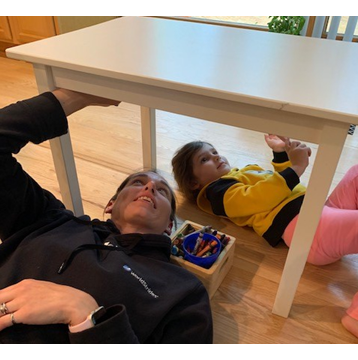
[15, 30]
[5, 32]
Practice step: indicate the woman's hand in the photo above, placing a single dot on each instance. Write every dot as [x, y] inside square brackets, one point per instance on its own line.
[72, 101]
[36, 302]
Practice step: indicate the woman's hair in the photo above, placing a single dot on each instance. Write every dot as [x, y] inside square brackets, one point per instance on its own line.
[182, 164]
[173, 199]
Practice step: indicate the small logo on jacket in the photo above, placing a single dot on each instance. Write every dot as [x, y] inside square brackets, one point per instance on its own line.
[141, 280]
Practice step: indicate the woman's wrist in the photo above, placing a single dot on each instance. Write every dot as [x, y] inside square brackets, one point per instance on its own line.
[91, 320]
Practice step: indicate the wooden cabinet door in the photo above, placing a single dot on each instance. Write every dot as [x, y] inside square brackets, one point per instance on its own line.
[31, 28]
[5, 31]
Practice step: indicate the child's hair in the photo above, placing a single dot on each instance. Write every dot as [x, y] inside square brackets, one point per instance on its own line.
[182, 164]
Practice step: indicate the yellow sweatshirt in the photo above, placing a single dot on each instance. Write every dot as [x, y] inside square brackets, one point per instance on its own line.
[262, 199]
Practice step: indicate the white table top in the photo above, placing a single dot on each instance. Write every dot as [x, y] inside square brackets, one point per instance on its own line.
[297, 74]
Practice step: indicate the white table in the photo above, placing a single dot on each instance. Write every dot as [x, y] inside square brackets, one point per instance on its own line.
[295, 86]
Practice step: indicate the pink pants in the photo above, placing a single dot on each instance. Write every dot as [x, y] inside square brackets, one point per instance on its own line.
[353, 309]
[337, 231]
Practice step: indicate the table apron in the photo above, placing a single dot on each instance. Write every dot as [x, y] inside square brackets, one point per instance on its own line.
[228, 112]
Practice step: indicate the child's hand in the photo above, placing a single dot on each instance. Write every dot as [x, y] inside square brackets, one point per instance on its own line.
[276, 143]
[298, 153]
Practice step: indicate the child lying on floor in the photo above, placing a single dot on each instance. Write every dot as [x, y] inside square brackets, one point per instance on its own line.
[270, 201]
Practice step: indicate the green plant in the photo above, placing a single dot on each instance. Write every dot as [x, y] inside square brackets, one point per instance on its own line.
[286, 24]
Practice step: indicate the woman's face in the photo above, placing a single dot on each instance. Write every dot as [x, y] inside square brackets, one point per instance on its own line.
[143, 205]
[208, 166]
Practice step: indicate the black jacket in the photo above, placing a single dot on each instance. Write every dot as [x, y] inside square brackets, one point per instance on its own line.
[148, 299]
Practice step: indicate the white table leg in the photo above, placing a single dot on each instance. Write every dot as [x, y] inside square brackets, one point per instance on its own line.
[62, 153]
[149, 144]
[329, 151]
[65, 167]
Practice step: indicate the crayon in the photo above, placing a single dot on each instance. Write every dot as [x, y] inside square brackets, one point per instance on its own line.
[198, 242]
[207, 248]
[202, 245]
[206, 229]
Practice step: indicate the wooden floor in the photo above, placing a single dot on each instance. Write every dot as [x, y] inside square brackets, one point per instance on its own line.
[107, 147]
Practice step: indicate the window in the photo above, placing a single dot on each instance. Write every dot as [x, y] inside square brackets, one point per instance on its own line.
[255, 21]
[317, 26]
[342, 25]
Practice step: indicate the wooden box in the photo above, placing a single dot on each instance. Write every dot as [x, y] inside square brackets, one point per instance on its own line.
[211, 278]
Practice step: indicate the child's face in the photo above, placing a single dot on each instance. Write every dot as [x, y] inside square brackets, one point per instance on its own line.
[208, 166]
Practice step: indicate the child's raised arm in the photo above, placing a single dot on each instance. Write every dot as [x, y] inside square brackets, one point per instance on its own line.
[276, 143]
[297, 152]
